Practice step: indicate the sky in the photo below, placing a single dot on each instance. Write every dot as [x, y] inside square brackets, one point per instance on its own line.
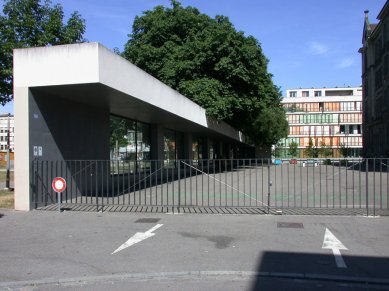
[309, 43]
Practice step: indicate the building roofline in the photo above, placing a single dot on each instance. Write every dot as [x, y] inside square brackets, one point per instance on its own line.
[384, 11]
[326, 88]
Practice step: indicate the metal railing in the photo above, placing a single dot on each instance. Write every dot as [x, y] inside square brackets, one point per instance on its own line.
[293, 184]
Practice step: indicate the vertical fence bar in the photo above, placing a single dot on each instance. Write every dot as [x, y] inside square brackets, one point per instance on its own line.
[340, 186]
[179, 186]
[320, 183]
[262, 180]
[380, 161]
[353, 172]
[360, 184]
[250, 182]
[207, 177]
[96, 186]
[294, 184]
[301, 187]
[387, 184]
[307, 178]
[327, 184]
[256, 182]
[346, 184]
[214, 182]
[220, 184]
[232, 189]
[268, 187]
[275, 186]
[374, 192]
[287, 178]
[333, 185]
[367, 187]
[185, 169]
[225, 164]
[108, 180]
[102, 185]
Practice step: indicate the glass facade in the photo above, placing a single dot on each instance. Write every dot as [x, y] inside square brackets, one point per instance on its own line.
[130, 143]
[170, 147]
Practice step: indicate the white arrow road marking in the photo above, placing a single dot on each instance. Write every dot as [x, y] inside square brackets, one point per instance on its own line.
[331, 242]
[138, 237]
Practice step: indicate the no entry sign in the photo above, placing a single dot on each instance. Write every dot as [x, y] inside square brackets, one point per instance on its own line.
[59, 184]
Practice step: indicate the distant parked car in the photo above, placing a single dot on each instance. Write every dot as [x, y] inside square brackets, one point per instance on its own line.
[310, 162]
[293, 161]
[277, 162]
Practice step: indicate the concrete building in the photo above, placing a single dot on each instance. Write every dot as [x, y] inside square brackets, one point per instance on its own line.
[6, 122]
[64, 97]
[330, 117]
[375, 82]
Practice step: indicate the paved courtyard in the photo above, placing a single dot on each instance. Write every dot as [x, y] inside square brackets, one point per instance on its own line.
[47, 250]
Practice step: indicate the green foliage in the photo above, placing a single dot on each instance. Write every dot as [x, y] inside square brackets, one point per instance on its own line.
[30, 23]
[292, 151]
[211, 63]
[311, 151]
[118, 131]
[344, 150]
[324, 150]
[277, 150]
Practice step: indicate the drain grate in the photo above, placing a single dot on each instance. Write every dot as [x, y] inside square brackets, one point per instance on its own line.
[289, 225]
[148, 220]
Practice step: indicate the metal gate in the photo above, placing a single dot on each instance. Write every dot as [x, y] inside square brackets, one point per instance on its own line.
[313, 186]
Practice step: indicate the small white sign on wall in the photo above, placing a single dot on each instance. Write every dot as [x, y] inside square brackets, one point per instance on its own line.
[38, 151]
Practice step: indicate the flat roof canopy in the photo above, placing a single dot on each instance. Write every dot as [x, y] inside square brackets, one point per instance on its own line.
[91, 74]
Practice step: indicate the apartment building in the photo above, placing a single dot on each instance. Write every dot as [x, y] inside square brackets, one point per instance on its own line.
[4, 119]
[375, 81]
[329, 118]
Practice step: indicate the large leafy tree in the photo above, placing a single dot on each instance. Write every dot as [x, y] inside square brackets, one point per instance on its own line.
[30, 23]
[211, 63]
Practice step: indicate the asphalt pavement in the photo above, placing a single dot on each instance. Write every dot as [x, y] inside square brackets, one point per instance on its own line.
[47, 250]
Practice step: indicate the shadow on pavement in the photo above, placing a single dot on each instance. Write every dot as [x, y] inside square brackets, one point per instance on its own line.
[307, 271]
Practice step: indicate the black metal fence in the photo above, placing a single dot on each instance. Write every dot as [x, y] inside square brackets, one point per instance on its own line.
[266, 185]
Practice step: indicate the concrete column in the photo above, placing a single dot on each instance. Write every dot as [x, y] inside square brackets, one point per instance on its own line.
[22, 147]
[157, 143]
[187, 143]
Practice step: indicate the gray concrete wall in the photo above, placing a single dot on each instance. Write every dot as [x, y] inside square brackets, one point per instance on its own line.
[67, 130]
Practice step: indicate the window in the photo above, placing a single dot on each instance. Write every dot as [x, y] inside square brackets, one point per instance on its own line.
[170, 149]
[321, 106]
[197, 148]
[305, 93]
[130, 145]
[317, 93]
[292, 94]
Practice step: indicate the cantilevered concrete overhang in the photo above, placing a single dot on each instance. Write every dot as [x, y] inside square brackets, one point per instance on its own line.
[63, 98]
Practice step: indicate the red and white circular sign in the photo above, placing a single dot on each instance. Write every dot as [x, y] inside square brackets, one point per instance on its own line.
[59, 184]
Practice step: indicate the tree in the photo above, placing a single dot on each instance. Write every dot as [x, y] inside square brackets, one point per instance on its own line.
[277, 150]
[324, 150]
[211, 63]
[118, 131]
[311, 151]
[30, 23]
[344, 150]
[292, 151]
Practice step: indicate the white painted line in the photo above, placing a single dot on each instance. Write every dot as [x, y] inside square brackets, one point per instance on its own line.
[138, 237]
[331, 242]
